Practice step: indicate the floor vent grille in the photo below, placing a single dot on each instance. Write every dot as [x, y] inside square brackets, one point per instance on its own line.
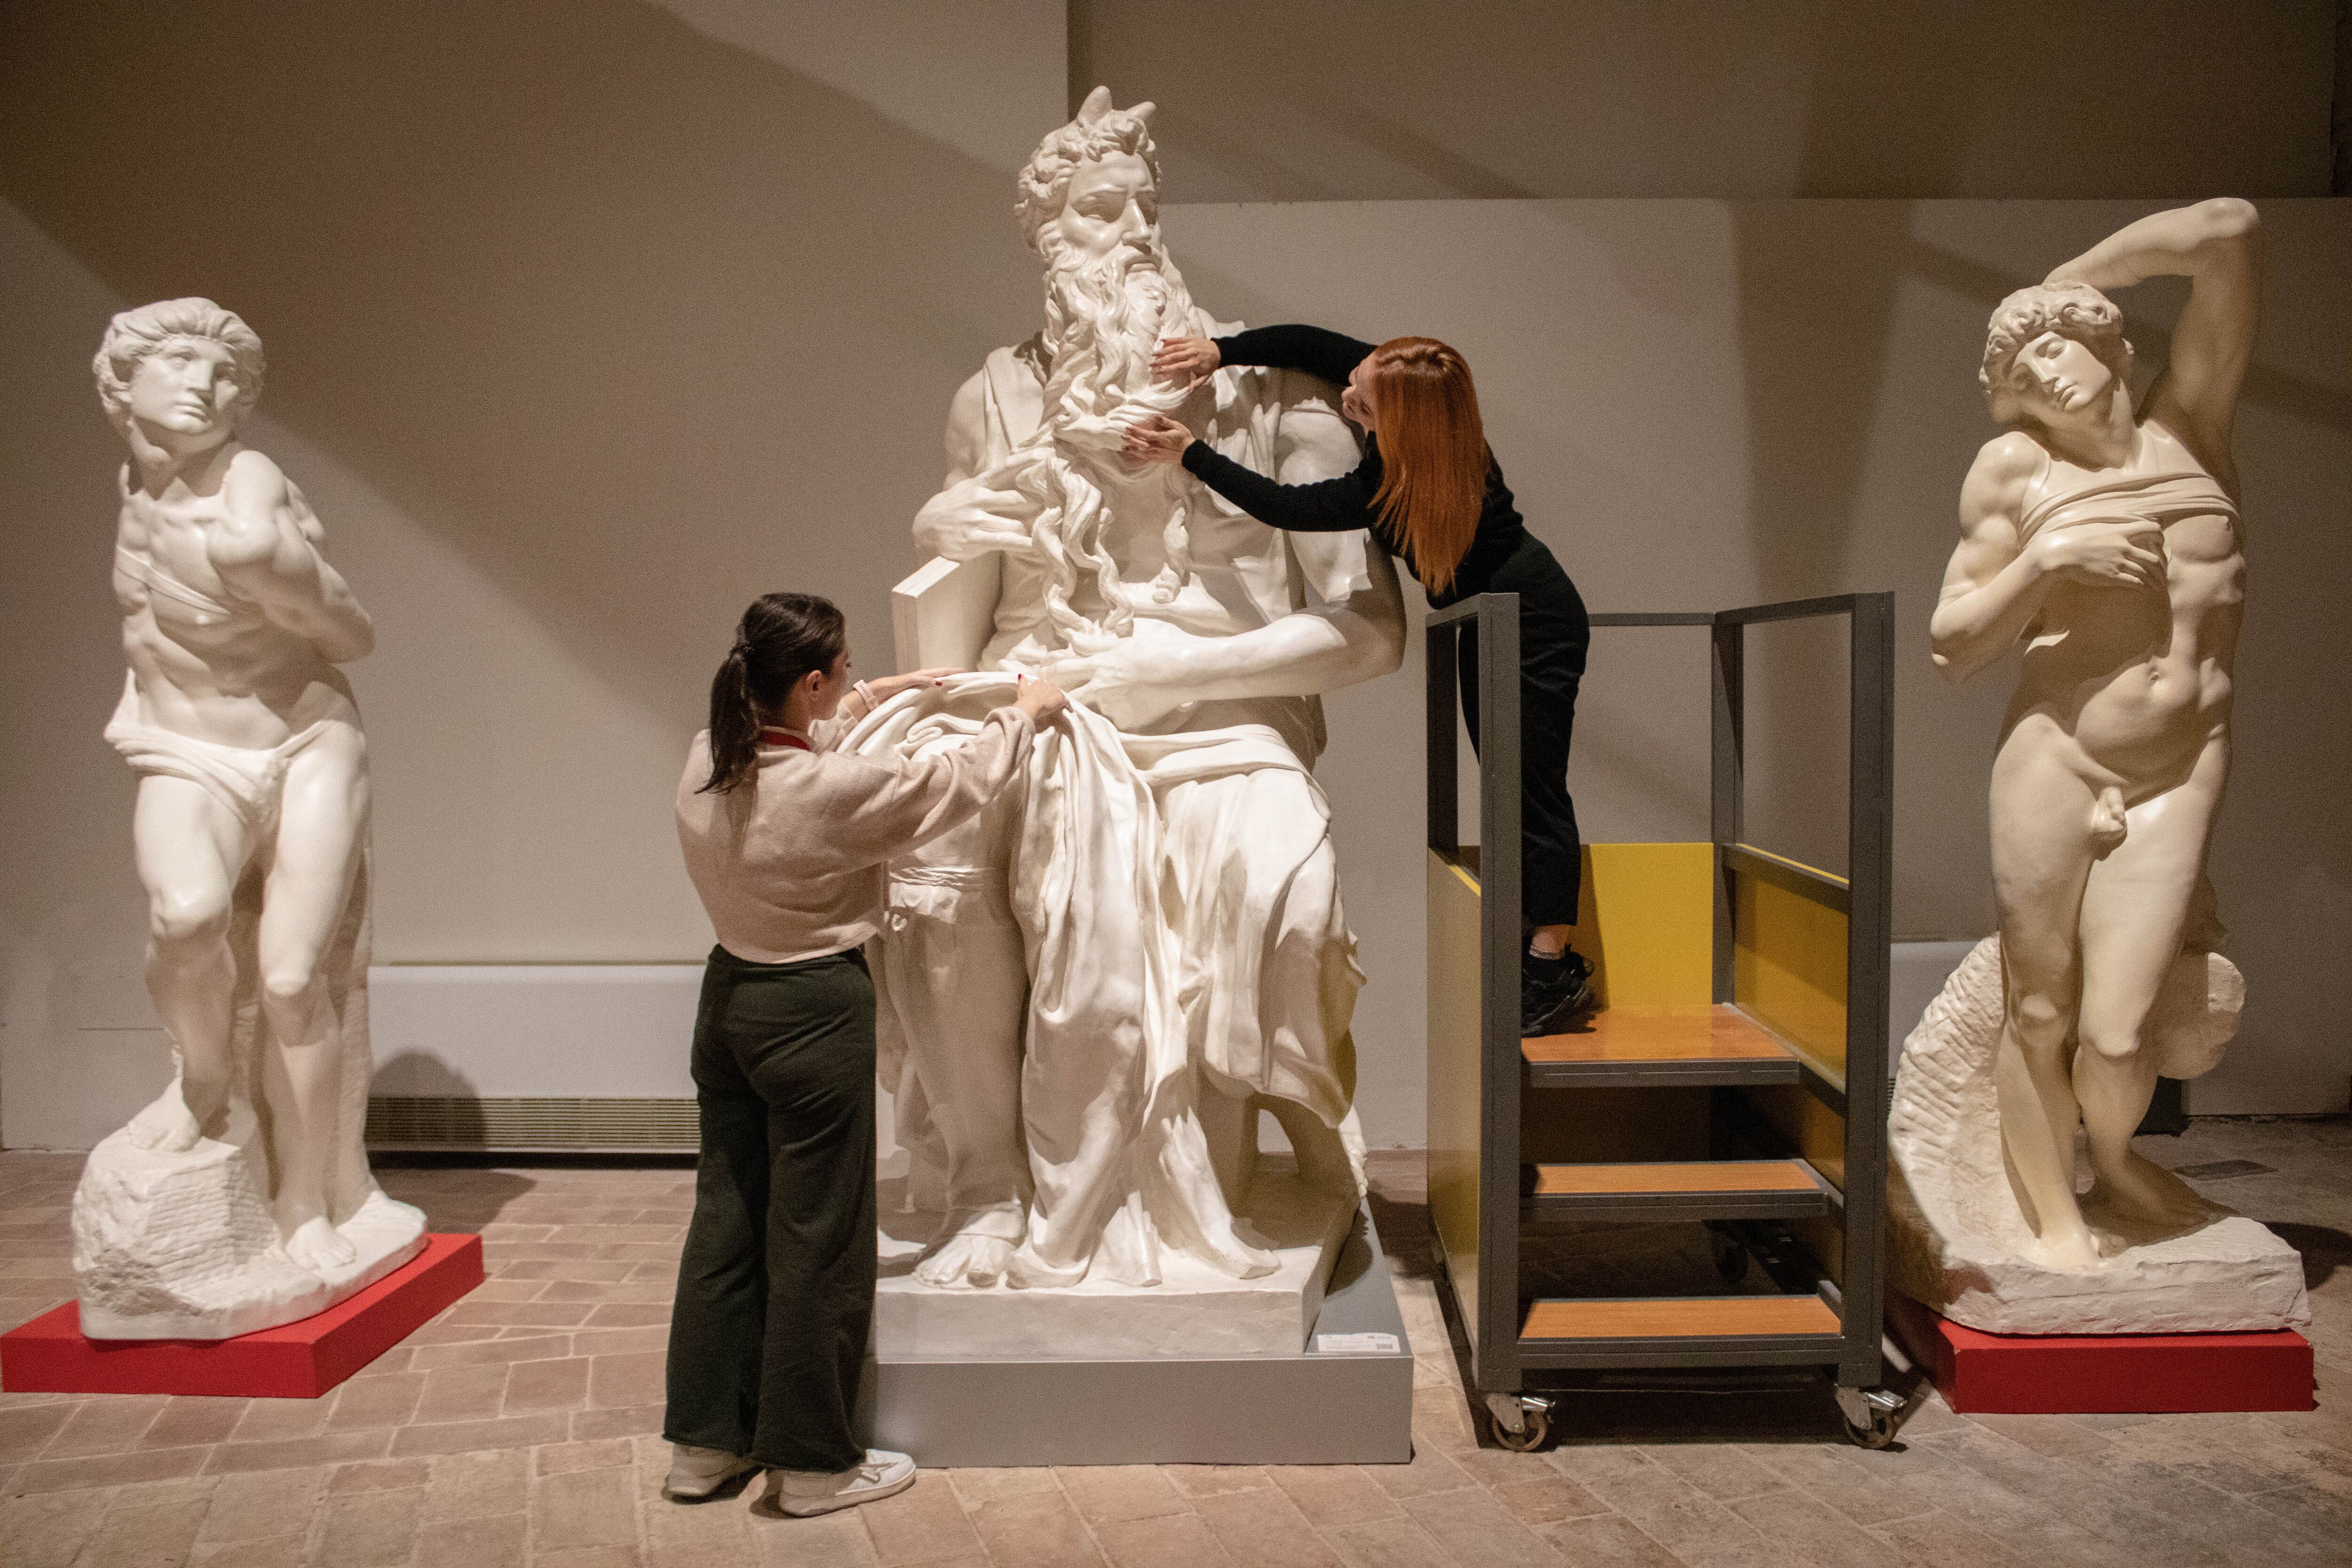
[552, 1124]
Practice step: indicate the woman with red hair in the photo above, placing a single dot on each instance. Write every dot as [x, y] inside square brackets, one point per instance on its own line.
[1430, 491]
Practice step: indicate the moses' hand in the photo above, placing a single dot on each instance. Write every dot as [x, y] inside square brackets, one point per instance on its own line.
[1118, 683]
[968, 520]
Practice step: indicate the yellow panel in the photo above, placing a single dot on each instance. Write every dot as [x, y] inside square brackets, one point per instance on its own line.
[1647, 923]
[1455, 1132]
[1788, 967]
[1788, 970]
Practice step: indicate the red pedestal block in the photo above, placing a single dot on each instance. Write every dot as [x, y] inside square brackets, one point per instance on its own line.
[298, 1361]
[2082, 1375]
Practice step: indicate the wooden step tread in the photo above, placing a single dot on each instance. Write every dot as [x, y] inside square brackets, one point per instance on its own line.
[1679, 1317]
[1622, 1035]
[1704, 1177]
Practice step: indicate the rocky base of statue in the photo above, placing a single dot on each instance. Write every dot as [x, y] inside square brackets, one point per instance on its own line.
[1959, 1242]
[181, 1246]
[1194, 1310]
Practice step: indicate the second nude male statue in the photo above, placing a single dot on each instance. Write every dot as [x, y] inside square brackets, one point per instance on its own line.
[2112, 546]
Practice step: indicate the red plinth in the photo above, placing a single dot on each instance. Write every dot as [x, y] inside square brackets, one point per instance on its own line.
[2082, 1375]
[299, 1361]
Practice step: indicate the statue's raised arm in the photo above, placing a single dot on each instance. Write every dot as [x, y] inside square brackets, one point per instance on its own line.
[2217, 245]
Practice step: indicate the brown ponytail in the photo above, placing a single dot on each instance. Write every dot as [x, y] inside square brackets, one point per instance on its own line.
[781, 638]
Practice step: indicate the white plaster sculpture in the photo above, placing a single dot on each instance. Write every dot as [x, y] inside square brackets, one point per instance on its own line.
[2111, 545]
[1088, 992]
[240, 1199]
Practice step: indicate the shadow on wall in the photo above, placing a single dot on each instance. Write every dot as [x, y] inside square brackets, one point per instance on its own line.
[1378, 99]
[1817, 306]
[609, 306]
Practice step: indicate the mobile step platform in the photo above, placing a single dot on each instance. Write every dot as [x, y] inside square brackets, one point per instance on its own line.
[1733, 1074]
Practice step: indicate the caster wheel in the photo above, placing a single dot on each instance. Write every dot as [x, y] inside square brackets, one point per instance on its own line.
[1730, 1256]
[1871, 1416]
[1528, 1437]
[1877, 1435]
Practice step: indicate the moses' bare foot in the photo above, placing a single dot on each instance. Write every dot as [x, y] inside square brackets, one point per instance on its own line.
[1027, 1271]
[167, 1126]
[318, 1246]
[974, 1246]
[1235, 1257]
[978, 1261]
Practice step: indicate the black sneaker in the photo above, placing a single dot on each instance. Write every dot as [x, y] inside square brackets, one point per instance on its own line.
[1552, 992]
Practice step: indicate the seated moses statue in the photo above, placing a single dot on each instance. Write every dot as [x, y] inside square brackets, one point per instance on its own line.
[241, 1198]
[1091, 991]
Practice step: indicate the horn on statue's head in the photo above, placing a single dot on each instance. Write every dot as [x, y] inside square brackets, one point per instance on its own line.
[1096, 105]
[1143, 111]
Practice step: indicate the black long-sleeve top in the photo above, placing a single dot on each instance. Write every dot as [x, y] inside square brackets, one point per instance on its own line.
[1503, 557]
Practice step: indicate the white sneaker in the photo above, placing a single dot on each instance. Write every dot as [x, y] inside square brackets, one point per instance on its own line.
[696, 1473]
[805, 1492]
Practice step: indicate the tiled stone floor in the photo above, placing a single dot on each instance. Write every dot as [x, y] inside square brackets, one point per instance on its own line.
[520, 1427]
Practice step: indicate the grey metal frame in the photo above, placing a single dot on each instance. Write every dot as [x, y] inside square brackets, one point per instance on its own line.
[1863, 897]
[1494, 1339]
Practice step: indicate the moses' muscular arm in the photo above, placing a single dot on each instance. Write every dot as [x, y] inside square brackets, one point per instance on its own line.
[2217, 245]
[966, 429]
[265, 548]
[1351, 627]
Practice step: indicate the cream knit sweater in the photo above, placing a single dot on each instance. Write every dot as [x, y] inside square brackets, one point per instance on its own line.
[792, 865]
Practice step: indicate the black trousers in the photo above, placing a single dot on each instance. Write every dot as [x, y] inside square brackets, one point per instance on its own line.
[775, 1291]
[1551, 849]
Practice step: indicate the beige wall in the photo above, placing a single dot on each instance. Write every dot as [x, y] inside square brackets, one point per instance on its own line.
[589, 321]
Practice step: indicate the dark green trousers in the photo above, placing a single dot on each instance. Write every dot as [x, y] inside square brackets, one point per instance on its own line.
[775, 1291]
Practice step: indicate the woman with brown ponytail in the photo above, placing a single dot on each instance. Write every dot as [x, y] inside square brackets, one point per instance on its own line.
[1431, 492]
[785, 840]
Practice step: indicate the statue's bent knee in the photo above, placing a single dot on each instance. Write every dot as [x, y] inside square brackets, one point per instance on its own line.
[178, 917]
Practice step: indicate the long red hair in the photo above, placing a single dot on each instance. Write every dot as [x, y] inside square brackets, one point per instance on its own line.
[1433, 456]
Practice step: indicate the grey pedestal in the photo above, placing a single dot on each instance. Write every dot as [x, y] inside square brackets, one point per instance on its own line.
[1310, 1408]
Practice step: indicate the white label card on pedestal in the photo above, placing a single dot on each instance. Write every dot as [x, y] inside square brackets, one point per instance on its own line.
[1356, 1344]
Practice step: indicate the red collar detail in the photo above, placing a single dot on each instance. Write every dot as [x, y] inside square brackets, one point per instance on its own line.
[783, 738]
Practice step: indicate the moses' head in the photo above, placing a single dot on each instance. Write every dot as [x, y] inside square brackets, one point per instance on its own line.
[1082, 179]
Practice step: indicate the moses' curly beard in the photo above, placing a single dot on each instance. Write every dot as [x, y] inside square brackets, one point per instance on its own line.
[1103, 319]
